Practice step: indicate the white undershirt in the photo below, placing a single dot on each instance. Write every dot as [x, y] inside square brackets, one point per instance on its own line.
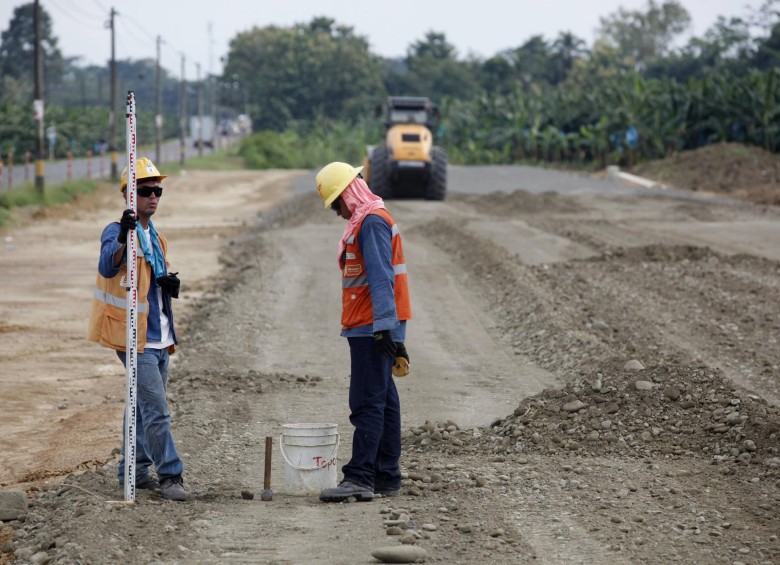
[165, 326]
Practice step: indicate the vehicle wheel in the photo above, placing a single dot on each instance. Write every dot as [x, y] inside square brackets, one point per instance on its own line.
[437, 184]
[380, 183]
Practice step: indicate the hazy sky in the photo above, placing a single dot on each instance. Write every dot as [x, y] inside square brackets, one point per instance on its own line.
[478, 27]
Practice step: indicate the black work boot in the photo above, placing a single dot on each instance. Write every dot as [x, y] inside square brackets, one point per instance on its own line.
[344, 491]
[173, 489]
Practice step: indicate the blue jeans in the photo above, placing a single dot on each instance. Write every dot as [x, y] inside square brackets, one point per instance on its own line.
[153, 440]
[376, 414]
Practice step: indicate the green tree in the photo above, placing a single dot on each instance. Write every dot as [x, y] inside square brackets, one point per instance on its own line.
[17, 45]
[436, 72]
[498, 75]
[767, 55]
[532, 61]
[565, 50]
[305, 72]
[645, 35]
[605, 62]
[434, 46]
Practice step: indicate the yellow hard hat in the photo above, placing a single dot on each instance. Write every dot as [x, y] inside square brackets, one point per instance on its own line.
[333, 178]
[144, 170]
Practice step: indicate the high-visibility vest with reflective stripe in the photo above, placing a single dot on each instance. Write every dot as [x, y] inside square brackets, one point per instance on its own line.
[108, 320]
[356, 299]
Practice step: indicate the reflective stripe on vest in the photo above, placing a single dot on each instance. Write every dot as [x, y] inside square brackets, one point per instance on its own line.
[116, 301]
[362, 280]
[355, 282]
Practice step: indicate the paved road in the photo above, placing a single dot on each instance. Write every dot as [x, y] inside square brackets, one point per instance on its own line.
[509, 178]
[99, 167]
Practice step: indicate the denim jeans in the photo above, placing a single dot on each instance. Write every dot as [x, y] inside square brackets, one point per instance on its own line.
[153, 440]
[376, 414]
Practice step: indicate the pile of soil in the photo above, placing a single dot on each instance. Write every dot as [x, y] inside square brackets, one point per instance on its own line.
[741, 171]
[663, 411]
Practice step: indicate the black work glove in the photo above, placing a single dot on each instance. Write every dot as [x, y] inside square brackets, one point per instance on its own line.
[400, 351]
[170, 283]
[126, 224]
[384, 344]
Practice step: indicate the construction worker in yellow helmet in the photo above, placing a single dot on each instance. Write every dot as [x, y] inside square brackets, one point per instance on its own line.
[144, 170]
[156, 333]
[375, 309]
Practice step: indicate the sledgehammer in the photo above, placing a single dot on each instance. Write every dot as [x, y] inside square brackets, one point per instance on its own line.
[267, 493]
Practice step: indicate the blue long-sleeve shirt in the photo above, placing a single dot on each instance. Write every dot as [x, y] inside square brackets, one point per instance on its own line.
[375, 242]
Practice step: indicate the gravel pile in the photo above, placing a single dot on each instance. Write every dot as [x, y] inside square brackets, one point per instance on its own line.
[663, 411]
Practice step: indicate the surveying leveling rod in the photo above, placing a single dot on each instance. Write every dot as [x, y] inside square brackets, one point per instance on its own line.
[131, 285]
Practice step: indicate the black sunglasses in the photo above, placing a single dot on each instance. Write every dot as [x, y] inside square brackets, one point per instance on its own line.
[146, 191]
[335, 205]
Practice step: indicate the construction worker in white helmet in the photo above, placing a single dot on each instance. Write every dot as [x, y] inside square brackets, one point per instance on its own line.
[375, 309]
[156, 333]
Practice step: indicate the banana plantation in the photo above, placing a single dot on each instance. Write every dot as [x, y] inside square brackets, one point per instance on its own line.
[621, 121]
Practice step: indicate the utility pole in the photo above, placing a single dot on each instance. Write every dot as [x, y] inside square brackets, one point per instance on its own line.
[200, 111]
[83, 85]
[215, 108]
[214, 87]
[112, 111]
[182, 113]
[38, 102]
[158, 117]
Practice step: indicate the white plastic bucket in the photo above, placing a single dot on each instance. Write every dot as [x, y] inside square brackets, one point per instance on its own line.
[310, 454]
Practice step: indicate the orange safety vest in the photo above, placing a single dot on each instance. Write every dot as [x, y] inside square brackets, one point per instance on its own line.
[108, 320]
[355, 297]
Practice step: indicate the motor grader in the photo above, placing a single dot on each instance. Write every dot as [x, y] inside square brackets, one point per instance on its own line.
[407, 164]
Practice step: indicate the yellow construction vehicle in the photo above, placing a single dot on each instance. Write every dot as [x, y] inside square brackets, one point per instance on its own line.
[408, 164]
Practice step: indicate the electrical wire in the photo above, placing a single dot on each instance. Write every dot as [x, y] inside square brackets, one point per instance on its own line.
[170, 49]
[133, 35]
[99, 5]
[74, 18]
[133, 21]
[164, 42]
[74, 6]
[123, 18]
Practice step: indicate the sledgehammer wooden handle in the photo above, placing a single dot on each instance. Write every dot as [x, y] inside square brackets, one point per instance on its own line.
[269, 442]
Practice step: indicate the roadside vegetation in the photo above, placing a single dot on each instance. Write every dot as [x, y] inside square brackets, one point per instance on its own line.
[227, 160]
[27, 195]
[637, 93]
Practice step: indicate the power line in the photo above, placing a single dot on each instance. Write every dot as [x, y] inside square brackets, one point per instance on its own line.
[74, 18]
[84, 13]
[139, 26]
[149, 35]
[171, 48]
[99, 5]
[126, 18]
[137, 40]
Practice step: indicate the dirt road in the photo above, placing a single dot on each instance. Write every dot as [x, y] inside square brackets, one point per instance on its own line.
[594, 377]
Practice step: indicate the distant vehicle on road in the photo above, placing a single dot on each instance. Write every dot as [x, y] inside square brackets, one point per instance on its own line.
[202, 129]
[406, 164]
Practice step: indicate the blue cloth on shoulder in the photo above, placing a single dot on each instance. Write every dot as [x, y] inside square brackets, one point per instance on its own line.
[154, 255]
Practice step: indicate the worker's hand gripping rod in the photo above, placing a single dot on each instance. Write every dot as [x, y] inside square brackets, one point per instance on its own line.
[131, 350]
